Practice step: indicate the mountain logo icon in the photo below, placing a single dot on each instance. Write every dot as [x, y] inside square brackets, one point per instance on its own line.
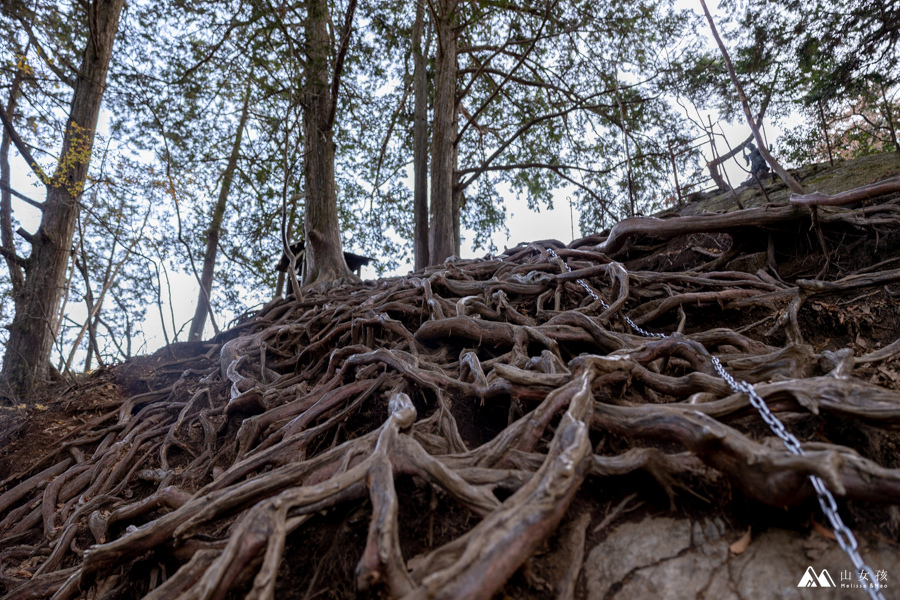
[810, 579]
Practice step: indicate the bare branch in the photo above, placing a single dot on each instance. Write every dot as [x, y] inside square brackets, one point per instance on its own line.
[10, 255]
[339, 63]
[21, 196]
[22, 148]
[493, 94]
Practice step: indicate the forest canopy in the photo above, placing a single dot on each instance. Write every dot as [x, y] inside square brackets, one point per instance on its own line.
[202, 139]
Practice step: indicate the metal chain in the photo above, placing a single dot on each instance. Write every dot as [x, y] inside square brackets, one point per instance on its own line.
[842, 533]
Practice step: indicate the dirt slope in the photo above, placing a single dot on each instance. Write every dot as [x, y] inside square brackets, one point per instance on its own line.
[488, 428]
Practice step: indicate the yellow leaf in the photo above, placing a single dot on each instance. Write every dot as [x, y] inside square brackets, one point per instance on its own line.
[740, 546]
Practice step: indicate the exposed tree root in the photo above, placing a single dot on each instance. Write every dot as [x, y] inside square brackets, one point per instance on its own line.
[866, 192]
[498, 386]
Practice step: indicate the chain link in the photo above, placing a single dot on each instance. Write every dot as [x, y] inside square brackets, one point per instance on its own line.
[842, 533]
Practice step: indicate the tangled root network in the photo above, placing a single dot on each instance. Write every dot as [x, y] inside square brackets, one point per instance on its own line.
[439, 435]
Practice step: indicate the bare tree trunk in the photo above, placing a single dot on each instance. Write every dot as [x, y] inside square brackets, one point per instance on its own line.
[420, 142]
[888, 113]
[674, 173]
[763, 149]
[27, 358]
[825, 132]
[93, 315]
[7, 241]
[215, 228]
[441, 243]
[627, 145]
[459, 199]
[732, 152]
[289, 226]
[91, 322]
[324, 256]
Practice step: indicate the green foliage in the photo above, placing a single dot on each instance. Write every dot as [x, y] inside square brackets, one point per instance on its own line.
[548, 95]
[838, 71]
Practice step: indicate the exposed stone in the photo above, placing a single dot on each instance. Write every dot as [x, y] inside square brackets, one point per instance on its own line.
[749, 263]
[631, 547]
[677, 559]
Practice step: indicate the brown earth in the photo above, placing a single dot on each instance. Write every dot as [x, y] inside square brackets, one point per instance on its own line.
[483, 429]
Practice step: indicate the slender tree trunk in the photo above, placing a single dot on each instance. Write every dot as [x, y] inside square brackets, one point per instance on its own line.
[716, 161]
[324, 256]
[763, 149]
[215, 228]
[734, 151]
[825, 132]
[441, 243]
[7, 241]
[627, 146]
[420, 142]
[674, 174]
[27, 358]
[459, 200]
[282, 275]
[889, 115]
[91, 322]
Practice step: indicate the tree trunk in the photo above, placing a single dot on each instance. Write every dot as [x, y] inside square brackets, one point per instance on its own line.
[723, 183]
[889, 116]
[215, 228]
[7, 241]
[324, 256]
[27, 358]
[442, 243]
[719, 160]
[420, 143]
[825, 133]
[289, 227]
[92, 318]
[763, 149]
[624, 128]
[459, 200]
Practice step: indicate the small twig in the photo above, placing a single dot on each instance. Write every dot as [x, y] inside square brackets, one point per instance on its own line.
[620, 509]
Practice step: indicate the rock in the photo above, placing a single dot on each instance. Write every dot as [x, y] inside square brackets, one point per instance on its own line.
[749, 263]
[680, 559]
[632, 547]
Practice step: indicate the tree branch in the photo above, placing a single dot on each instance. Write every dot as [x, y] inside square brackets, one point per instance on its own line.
[10, 255]
[32, 39]
[339, 63]
[21, 196]
[22, 148]
[734, 151]
[483, 66]
[519, 132]
[532, 165]
[776, 166]
[510, 77]
[234, 24]
[25, 235]
[493, 94]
